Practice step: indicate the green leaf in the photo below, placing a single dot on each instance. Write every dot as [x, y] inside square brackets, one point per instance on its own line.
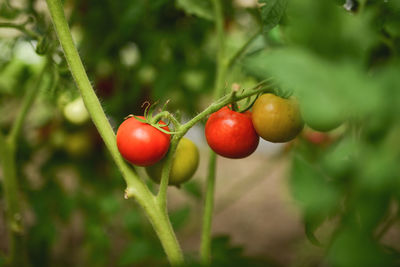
[136, 252]
[311, 224]
[309, 187]
[193, 188]
[328, 91]
[180, 216]
[200, 8]
[271, 13]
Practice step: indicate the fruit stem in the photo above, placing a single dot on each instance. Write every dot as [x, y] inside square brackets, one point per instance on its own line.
[162, 193]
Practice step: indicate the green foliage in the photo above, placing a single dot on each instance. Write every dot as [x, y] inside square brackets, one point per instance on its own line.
[271, 13]
[202, 9]
[342, 65]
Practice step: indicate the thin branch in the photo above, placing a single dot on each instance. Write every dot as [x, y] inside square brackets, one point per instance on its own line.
[224, 101]
[162, 193]
[241, 50]
[2, 142]
[21, 28]
[28, 100]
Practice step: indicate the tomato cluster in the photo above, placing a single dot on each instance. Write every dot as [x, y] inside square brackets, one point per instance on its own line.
[228, 132]
[236, 135]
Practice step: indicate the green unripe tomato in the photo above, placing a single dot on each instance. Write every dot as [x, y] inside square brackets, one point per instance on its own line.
[321, 112]
[79, 144]
[276, 119]
[75, 112]
[184, 165]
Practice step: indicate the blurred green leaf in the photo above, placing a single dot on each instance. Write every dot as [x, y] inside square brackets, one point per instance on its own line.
[136, 252]
[193, 188]
[200, 8]
[352, 248]
[328, 30]
[179, 217]
[271, 13]
[309, 187]
[311, 224]
[328, 92]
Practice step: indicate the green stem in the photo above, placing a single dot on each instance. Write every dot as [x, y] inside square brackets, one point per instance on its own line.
[135, 186]
[26, 104]
[21, 28]
[16, 255]
[208, 211]
[219, 90]
[162, 193]
[241, 50]
[8, 147]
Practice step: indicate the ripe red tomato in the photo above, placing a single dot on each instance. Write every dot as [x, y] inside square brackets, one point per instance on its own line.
[140, 143]
[231, 134]
[277, 119]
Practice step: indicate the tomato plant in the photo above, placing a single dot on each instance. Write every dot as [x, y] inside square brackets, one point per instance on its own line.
[140, 143]
[341, 60]
[184, 165]
[231, 134]
[276, 119]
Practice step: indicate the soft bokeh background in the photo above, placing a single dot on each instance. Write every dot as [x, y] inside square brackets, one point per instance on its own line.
[325, 199]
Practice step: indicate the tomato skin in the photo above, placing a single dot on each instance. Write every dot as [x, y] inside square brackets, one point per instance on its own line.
[231, 134]
[140, 143]
[316, 138]
[184, 164]
[277, 119]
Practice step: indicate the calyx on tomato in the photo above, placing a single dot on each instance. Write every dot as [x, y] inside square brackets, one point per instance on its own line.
[142, 141]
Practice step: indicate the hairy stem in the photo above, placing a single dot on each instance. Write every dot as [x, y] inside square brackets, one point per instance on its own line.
[208, 210]
[135, 186]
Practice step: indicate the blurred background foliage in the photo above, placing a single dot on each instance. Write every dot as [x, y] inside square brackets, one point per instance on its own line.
[340, 58]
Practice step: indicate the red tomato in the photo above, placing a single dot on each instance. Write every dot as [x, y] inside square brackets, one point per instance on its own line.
[231, 134]
[317, 138]
[140, 143]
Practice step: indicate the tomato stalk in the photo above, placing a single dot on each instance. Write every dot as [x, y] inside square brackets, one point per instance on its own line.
[135, 186]
[154, 206]
[8, 149]
[222, 64]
